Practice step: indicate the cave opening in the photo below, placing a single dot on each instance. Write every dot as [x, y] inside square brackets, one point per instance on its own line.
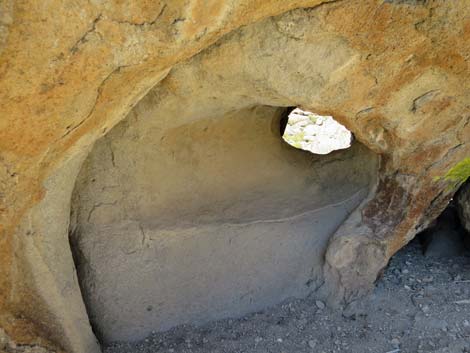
[447, 236]
[204, 218]
[434, 268]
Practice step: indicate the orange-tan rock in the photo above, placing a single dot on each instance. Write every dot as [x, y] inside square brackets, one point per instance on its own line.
[395, 73]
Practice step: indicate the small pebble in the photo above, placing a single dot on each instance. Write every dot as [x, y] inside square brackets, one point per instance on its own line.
[312, 343]
[395, 342]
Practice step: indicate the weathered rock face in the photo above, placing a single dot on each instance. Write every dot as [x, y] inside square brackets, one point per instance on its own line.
[395, 73]
[7, 345]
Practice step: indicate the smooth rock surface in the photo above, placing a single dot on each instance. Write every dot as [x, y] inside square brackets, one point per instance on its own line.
[210, 219]
[392, 318]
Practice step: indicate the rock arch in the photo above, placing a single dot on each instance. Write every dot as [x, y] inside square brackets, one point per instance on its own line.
[394, 73]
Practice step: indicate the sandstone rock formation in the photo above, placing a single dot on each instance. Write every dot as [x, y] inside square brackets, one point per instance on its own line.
[7, 345]
[395, 73]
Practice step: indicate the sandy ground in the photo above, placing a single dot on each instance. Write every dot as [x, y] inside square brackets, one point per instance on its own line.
[421, 304]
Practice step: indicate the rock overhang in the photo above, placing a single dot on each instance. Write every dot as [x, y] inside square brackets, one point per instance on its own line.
[394, 55]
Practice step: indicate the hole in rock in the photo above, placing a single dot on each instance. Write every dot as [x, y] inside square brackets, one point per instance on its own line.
[314, 133]
[205, 217]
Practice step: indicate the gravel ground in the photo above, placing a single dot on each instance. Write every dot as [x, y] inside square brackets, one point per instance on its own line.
[420, 304]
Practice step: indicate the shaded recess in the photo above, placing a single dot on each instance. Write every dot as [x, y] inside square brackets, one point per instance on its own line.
[205, 219]
[445, 237]
[449, 234]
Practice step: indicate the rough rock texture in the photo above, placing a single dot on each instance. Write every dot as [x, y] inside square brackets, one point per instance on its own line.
[463, 205]
[395, 73]
[206, 219]
[7, 345]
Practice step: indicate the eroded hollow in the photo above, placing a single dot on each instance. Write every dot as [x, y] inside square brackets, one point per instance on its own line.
[441, 252]
[205, 219]
[448, 235]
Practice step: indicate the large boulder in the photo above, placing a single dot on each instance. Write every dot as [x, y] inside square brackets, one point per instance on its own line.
[395, 73]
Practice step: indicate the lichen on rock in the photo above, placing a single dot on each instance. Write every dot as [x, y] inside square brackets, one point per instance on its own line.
[458, 174]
